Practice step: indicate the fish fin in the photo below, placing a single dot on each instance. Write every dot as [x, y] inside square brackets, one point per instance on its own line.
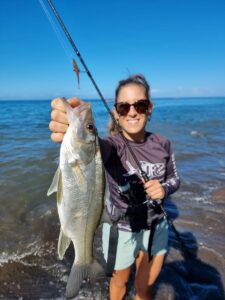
[54, 185]
[63, 244]
[77, 274]
[79, 174]
[96, 270]
[105, 218]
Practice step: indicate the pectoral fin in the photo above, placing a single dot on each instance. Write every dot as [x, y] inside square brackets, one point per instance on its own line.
[54, 185]
[79, 174]
[63, 244]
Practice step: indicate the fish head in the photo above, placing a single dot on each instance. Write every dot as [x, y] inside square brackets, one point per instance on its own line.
[81, 134]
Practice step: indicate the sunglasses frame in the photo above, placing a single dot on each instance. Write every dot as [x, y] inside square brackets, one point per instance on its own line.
[135, 105]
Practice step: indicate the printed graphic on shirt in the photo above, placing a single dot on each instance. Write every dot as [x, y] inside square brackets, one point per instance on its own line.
[156, 170]
[133, 190]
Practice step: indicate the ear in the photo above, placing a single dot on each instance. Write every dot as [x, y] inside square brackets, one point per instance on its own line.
[115, 114]
[150, 110]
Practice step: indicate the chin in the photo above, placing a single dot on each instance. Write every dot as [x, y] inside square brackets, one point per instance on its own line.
[135, 129]
[134, 135]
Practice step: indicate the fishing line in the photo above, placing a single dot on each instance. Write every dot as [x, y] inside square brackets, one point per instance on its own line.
[56, 30]
[143, 174]
[118, 127]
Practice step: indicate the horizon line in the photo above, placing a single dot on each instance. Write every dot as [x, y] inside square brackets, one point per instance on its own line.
[111, 99]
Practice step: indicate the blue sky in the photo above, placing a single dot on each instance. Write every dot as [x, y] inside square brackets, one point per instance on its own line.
[178, 45]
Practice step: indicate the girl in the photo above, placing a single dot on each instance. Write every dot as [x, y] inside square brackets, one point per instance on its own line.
[128, 196]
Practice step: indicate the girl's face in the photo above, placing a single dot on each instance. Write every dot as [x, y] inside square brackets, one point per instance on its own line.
[133, 123]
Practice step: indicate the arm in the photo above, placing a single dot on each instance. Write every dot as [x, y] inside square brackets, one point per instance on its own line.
[59, 122]
[154, 189]
[158, 191]
[172, 182]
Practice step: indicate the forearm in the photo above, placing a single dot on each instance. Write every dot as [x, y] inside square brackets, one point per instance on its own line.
[172, 181]
[171, 186]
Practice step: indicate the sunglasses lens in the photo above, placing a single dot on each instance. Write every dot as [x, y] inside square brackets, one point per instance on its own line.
[140, 106]
[122, 108]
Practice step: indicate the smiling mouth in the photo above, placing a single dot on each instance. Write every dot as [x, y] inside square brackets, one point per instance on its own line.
[133, 121]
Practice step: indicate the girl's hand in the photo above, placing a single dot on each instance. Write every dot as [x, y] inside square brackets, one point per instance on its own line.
[154, 189]
[59, 122]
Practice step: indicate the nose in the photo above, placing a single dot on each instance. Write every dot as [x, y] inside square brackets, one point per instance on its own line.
[132, 111]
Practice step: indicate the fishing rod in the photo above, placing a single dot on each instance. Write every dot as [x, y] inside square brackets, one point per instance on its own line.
[118, 127]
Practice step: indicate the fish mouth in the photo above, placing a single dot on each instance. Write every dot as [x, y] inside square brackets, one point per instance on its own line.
[80, 108]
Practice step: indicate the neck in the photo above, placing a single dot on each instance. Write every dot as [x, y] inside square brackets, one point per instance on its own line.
[138, 137]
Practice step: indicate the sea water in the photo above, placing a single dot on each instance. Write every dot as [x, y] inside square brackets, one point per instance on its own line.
[29, 224]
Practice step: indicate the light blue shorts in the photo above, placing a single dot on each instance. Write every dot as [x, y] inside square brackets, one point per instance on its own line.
[130, 243]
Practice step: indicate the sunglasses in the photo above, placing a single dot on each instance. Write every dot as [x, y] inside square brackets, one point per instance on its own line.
[141, 107]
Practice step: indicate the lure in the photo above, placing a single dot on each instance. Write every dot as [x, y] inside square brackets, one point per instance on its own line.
[77, 71]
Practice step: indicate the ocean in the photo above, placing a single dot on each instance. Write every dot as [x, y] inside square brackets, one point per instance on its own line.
[29, 227]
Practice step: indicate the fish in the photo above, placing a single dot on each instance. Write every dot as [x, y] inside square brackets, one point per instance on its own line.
[79, 182]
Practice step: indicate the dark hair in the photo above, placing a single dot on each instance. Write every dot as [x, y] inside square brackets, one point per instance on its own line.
[136, 79]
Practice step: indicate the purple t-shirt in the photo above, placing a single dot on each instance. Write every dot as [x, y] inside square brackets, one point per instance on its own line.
[124, 184]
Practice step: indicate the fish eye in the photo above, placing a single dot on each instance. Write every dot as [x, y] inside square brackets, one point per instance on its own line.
[90, 127]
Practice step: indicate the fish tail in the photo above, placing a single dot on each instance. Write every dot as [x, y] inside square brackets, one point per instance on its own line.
[96, 270]
[77, 274]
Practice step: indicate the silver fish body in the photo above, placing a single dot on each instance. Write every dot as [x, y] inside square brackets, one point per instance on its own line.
[79, 183]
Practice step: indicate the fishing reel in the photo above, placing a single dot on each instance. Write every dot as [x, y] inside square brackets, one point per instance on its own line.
[156, 205]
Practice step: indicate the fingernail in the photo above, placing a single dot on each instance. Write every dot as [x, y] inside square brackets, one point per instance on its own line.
[58, 103]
